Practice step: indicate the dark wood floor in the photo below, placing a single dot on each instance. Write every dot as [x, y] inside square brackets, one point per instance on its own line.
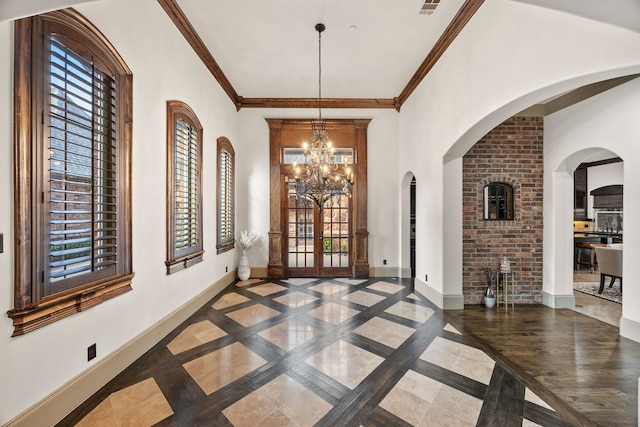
[577, 365]
[572, 361]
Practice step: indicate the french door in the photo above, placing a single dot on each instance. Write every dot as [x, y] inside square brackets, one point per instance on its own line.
[303, 239]
[318, 240]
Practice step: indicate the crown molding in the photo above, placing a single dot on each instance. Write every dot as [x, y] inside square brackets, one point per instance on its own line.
[180, 20]
[313, 103]
[467, 10]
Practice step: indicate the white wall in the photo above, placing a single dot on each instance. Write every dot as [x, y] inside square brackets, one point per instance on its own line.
[383, 180]
[605, 121]
[164, 67]
[509, 56]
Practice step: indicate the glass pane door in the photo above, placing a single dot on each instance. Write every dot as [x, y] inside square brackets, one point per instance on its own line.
[300, 233]
[336, 229]
[318, 242]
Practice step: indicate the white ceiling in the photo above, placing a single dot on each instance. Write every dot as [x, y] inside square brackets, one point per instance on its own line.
[270, 48]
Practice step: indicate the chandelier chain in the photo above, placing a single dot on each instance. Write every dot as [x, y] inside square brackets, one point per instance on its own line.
[319, 73]
[321, 181]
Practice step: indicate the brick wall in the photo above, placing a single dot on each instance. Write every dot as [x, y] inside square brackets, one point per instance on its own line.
[510, 153]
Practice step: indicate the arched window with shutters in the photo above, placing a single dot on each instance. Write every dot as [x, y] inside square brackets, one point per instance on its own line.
[498, 201]
[226, 198]
[184, 187]
[73, 104]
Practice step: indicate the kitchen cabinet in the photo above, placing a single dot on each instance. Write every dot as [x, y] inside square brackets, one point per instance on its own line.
[580, 193]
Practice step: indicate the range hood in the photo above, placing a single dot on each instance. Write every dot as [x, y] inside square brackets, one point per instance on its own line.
[607, 197]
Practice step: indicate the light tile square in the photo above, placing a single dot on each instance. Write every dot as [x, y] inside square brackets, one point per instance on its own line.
[195, 335]
[457, 404]
[142, 402]
[299, 281]
[345, 363]
[363, 298]
[253, 314]
[351, 281]
[416, 312]
[385, 331]
[267, 289]
[413, 297]
[221, 367]
[386, 287]
[282, 402]
[229, 300]
[298, 403]
[450, 328]
[327, 288]
[333, 313]
[411, 398]
[243, 283]
[534, 398]
[462, 359]
[295, 299]
[405, 405]
[289, 334]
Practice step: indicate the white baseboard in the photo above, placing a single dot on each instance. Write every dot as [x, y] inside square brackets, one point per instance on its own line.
[64, 400]
[384, 272]
[429, 293]
[630, 329]
[453, 302]
[259, 272]
[558, 301]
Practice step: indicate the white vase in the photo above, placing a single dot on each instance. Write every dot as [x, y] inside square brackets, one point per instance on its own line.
[489, 300]
[244, 271]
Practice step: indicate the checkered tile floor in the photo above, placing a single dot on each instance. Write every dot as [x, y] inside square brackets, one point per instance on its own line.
[323, 352]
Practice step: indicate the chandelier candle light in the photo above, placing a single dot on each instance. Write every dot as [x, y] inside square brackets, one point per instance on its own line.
[320, 179]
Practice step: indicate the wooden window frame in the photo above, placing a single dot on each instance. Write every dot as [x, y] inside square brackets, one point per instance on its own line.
[225, 243]
[32, 309]
[179, 259]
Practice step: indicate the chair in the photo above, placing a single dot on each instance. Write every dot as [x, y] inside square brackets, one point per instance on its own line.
[609, 264]
[593, 259]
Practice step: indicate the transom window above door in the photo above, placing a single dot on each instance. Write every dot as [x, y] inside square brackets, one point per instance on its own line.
[343, 156]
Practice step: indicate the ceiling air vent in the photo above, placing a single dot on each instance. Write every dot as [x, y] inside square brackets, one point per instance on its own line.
[429, 7]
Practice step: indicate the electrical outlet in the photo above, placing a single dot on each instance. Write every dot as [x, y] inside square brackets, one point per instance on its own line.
[384, 262]
[226, 269]
[426, 278]
[91, 352]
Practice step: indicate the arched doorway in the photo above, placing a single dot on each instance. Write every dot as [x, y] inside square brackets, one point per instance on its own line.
[597, 221]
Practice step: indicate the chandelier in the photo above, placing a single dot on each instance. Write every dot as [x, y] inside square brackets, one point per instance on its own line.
[319, 178]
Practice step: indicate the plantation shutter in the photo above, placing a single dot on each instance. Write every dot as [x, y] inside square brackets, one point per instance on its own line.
[186, 208]
[83, 181]
[226, 196]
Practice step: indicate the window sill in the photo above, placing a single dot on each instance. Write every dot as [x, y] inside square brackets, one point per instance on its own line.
[181, 263]
[54, 308]
[226, 246]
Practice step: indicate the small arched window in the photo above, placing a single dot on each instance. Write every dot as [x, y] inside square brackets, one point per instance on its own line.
[498, 201]
[184, 187]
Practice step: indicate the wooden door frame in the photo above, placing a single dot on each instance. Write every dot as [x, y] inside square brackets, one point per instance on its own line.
[278, 131]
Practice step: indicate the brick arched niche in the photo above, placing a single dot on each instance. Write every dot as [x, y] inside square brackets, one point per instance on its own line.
[511, 153]
[286, 133]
